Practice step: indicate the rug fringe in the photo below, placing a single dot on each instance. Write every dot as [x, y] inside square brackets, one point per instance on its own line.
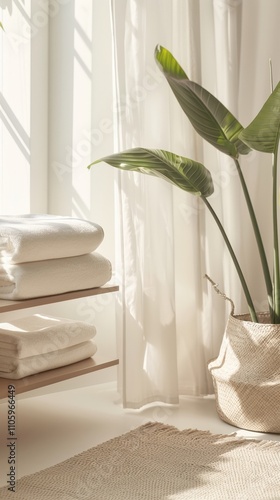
[198, 434]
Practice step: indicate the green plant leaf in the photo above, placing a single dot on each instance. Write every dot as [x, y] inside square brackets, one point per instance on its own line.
[187, 174]
[168, 64]
[210, 118]
[263, 132]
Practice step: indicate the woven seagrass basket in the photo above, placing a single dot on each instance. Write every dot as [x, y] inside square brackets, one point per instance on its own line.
[246, 374]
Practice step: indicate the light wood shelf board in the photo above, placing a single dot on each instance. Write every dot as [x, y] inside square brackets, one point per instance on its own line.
[53, 376]
[14, 305]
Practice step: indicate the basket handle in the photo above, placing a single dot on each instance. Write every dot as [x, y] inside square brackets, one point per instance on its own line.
[215, 286]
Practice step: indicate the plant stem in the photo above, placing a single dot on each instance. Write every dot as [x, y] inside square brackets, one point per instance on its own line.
[235, 261]
[276, 291]
[259, 241]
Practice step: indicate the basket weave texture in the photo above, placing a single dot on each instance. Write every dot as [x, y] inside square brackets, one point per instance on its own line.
[246, 374]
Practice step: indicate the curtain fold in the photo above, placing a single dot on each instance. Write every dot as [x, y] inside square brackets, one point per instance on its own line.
[146, 220]
[158, 243]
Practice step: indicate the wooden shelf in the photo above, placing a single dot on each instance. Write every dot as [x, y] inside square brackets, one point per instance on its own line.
[58, 374]
[53, 376]
[14, 305]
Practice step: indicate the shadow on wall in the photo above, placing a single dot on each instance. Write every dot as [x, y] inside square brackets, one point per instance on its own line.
[7, 4]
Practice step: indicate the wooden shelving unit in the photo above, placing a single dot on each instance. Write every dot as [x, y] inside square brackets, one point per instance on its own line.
[58, 374]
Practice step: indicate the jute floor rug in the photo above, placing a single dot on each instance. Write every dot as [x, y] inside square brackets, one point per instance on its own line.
[159, 462]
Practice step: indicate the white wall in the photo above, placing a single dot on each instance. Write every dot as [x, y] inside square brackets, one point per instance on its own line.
[80, 108]
[23, 110]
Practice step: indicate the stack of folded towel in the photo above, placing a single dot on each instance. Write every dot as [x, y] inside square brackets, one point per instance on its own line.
[47, 254]
[38, 343]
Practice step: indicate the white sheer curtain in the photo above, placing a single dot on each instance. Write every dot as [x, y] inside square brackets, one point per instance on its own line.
[171, 322]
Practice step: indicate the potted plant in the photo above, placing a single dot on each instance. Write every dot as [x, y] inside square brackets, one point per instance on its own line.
[246, 374]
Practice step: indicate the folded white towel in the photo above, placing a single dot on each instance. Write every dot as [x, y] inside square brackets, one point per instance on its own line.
[28, 238]
[18, 368]
[50, 277]
[39, 334]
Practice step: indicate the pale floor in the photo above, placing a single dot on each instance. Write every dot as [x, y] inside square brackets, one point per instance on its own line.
[57, 422]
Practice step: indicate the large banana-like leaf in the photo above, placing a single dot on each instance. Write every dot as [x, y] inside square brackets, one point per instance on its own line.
[187, 174]
[168, 64]
[210, 118]
[263, 132]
